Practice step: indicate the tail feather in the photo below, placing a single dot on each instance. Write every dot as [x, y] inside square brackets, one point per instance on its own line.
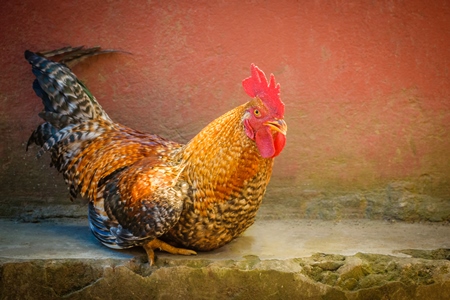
[69, 107]
[71, 56]
[57, 120]
[62, 51]
[61, 92]
[72, 115]
[41, 134]
[72, 133]
[55, 139]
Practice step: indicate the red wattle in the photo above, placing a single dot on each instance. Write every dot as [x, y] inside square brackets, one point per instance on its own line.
[279, 142]
[269, 144]
[264, 142]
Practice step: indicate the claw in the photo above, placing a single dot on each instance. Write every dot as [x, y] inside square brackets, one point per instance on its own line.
[163, 246]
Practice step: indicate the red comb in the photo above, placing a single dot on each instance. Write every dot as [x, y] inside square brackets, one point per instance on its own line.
[256, 86]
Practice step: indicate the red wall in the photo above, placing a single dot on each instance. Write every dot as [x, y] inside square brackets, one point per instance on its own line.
[365, 83]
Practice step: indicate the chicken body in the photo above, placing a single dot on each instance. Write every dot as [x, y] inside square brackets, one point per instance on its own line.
[144, 190]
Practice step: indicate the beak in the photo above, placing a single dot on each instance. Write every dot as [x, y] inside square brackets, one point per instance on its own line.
[277, 125]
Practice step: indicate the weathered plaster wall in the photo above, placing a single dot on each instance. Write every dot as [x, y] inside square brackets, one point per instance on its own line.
[366, 87]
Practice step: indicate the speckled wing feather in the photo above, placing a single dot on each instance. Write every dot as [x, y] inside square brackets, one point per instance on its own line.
[145, 201]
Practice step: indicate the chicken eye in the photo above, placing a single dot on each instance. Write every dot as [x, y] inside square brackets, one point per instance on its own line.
[257, 113]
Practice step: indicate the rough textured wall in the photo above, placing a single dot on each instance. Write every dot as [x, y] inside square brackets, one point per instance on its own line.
[366, 86]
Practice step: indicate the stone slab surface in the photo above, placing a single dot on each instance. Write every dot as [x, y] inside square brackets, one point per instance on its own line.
[267, 239]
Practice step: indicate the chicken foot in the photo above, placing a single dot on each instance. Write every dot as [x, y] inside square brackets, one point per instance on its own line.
[158, 244]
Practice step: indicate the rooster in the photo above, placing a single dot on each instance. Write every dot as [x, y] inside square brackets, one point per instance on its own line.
[144, 190]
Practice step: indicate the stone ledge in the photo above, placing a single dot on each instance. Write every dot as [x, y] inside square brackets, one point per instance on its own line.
[274, 259]
[320, 276]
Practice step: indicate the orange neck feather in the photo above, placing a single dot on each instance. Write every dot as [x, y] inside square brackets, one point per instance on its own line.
[221, 160]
